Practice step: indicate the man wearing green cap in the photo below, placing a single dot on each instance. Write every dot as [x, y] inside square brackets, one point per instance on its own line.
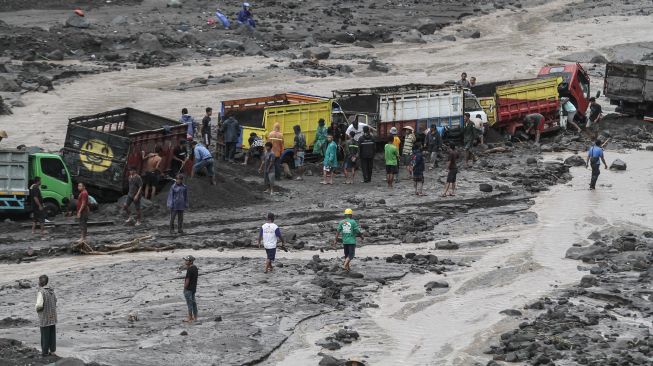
[349, 229]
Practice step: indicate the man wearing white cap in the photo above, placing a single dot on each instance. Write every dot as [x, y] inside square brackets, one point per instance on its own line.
[245, 16]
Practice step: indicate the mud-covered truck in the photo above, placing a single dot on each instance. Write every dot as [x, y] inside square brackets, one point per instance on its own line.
[260, 114]
[630, 88]
[419, 106]
[508, 102]
[100, 148]
[17, 171]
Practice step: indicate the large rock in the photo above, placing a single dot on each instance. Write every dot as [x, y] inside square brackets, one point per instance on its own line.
[575, 160]
[8, 85]
[331, 361]
[68, 361]
[4, 109]
[436, 284]
[251, 48]
[588, 281]
[588, 253]
[320, 53]
[149, 42]
[76, 21]
[599, 59]
[414, 36]
[378, 66]
[484, 187]
[56, 55]
[618, 164]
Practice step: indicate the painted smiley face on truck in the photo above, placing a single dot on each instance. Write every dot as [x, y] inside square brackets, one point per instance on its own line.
[96, 155]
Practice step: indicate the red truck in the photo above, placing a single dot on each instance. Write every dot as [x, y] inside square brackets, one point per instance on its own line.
[100, 148]
[508, 102]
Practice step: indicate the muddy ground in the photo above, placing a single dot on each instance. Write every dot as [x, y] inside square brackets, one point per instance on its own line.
[451, 281]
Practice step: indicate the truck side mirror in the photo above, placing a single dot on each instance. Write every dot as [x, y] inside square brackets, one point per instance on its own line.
[598, 93]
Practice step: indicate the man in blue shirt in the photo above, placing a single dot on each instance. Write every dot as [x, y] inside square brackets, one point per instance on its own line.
[203, 159]
[594, 158]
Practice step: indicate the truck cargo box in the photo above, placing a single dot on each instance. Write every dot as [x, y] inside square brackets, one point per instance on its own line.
[99, 148]
[14, 175]
[630, 87]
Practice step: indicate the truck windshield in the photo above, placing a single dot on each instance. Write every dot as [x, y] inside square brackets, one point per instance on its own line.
[54, 168]
[472, 105]
[584, 84]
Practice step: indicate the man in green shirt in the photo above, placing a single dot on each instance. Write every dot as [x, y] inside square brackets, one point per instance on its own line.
[391, 157]
[349, 229]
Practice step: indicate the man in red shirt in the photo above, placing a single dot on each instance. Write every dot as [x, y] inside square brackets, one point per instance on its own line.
[82, 210]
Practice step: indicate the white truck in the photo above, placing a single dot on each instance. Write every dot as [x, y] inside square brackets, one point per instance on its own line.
[420, 106]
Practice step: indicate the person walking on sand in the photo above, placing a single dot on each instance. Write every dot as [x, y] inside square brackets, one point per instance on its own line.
[135, 184]
[299, 151]
[152, 162]
[267, 168]
[330, 160]
[391, 155]
[190, 287]
[418, 169]
[351, 158]
[46, 308]
[594, 157]
[83, 208]
[38, 209]
[270, 234]
[348, 229]
[453, 171]
[367, 147]
[177, 202]
[276, 138]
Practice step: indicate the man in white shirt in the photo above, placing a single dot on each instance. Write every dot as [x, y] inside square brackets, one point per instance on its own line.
[269, 234]
[478, 123]
[357, 127]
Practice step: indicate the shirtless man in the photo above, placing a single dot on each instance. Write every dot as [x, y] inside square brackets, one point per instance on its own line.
[151, 169]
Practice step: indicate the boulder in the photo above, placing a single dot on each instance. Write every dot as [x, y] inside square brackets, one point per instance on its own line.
[251, 48]
[378, 66]
[149, 42]
[119, 20]
[436, 284]
[546, 148]
[320, 53]
[174, 4]
[531, 161]
[618, 164]
[331, 361]
[76, 21]
[56, 55]
[511, 312]
[484, 187]
[588, 281]
[649, 148]
[414, 36]
[599, 59]
[447, 245]
[68, 361]
[449, 37]
[575, 160]
[8, 85]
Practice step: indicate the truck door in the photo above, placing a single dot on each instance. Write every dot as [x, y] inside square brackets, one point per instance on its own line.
[55, 179]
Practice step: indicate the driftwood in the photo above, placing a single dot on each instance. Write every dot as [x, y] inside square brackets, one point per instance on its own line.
[499, 149]
[121, 247]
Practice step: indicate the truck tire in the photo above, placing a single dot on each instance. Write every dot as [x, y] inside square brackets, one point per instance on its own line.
[52, 209]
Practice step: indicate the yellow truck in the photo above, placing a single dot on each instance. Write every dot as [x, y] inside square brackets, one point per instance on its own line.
[260, 114]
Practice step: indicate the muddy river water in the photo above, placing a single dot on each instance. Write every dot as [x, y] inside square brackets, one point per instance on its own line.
[508, 268]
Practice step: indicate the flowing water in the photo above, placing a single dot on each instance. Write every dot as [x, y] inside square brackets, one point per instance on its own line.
[453, 328]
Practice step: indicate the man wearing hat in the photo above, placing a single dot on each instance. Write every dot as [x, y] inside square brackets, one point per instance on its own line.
[347, 228]
[190, 285]
[3, 135]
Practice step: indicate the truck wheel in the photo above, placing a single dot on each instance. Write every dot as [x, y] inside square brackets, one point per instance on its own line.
[52, 209]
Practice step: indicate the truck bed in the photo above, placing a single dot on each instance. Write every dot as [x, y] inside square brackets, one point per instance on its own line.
[629, 82]
[14, 176]
[249, 111]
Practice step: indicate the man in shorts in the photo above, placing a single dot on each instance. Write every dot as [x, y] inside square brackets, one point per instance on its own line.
[534, 125]
[391, 155]
[152, 163]
[453, 171]
[270, 234]
[38, 209]
[348, 229]
[203, 159]
[299, 150]
[594, 117]
[267, 168]
[133, 196]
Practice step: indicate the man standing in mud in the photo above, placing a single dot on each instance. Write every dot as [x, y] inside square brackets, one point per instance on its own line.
[270, 234]
[348, 229]
[134, 196]
[190, 286]
[152, 162]
[452, 172]
[46, 308]
[594, 158]
[299, 150]
[276, 138]
[469, 136]
[367, 151]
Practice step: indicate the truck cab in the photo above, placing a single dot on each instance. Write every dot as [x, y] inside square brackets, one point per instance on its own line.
[575, 84]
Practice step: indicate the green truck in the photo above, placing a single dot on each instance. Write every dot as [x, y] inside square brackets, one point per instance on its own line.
[17, 171]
